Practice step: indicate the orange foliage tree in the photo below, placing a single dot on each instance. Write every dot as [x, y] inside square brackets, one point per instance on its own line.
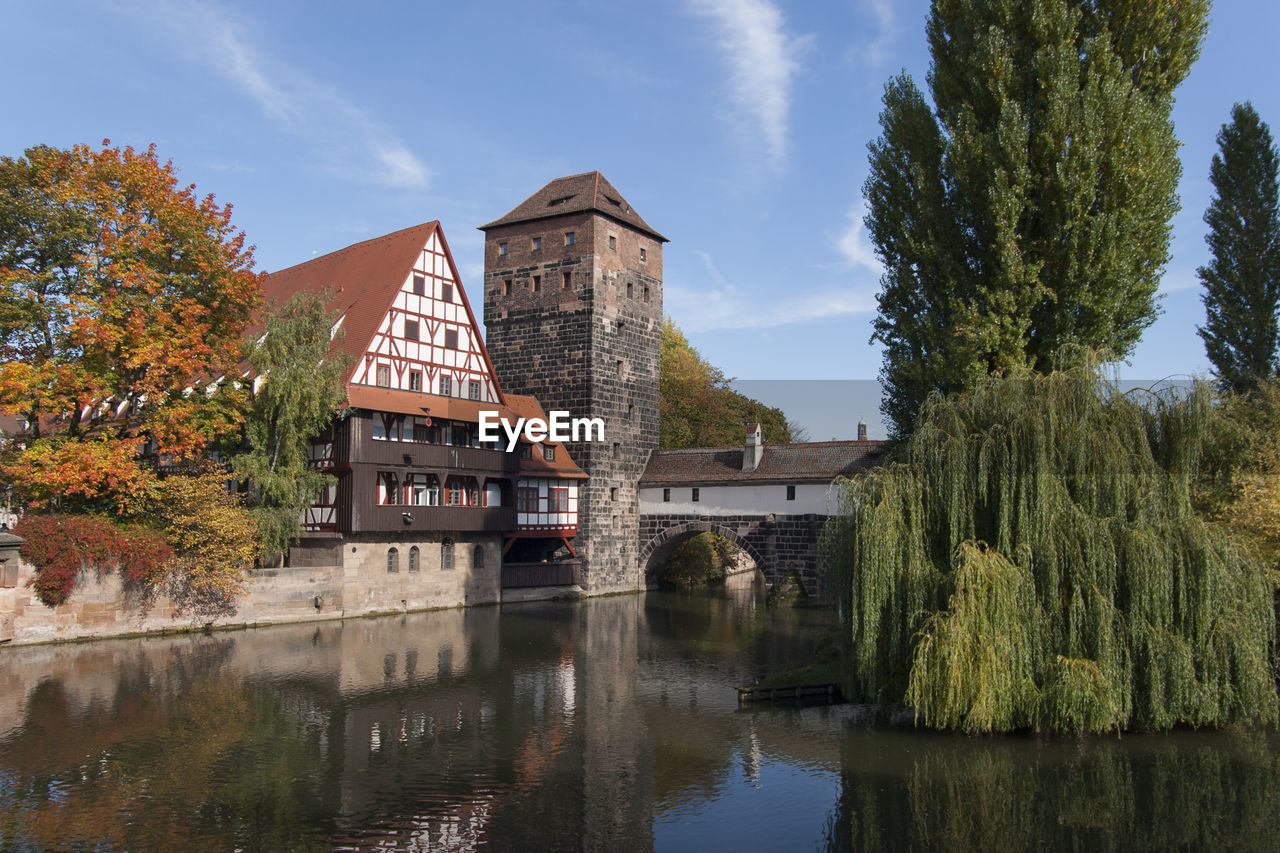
[122, 294]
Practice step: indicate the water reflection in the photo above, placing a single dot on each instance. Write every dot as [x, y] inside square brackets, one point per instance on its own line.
[610, 724]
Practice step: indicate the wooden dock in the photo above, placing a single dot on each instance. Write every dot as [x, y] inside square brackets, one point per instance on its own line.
[791, 693]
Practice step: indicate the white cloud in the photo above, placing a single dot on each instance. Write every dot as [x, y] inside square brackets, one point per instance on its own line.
[725, 306]
[874, 51]
[763, 59]
[853, 245]
[214, 37]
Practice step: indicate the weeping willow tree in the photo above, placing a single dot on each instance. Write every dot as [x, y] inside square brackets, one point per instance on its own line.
[1033, 561]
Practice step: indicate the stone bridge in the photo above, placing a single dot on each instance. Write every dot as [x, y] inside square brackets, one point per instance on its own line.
[770, 500]
[779, 544]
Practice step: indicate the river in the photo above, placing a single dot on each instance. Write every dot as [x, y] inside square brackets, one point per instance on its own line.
[600, 725]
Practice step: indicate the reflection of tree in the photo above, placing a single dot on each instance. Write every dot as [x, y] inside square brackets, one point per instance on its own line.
[212, 767]
[1180, 791]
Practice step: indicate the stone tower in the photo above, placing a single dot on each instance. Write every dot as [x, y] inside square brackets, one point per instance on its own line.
[573, 313]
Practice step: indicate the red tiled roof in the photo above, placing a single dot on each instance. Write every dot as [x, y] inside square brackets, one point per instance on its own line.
[417, 403]
[576, 194]
[812, 462]
[536, 465]
[363, 281]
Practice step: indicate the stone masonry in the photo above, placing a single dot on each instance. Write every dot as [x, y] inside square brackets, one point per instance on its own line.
[575, 321]
[779, 544]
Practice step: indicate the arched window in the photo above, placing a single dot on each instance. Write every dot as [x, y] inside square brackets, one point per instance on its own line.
[413, 559]
[446, 555]
[477, 557]
[393, 561]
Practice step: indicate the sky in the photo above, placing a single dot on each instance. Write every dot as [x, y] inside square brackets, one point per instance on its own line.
[737, 128]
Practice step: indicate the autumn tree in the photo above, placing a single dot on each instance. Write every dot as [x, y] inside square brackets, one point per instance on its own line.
[696, 406]
[1242, 282]
[300, 386]
[123, 296]
[1023, 217]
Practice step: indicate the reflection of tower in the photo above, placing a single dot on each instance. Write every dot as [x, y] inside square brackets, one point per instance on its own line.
[617, 744]
[573, 312]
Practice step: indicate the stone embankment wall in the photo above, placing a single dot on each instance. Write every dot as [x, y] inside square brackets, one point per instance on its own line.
[100, 606]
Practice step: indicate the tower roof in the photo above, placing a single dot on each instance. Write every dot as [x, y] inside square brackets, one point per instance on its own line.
[577, 194]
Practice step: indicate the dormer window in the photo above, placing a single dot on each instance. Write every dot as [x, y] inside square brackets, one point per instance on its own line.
[549, 452]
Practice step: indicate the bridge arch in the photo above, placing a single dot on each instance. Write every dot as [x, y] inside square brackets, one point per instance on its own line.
[654, 553]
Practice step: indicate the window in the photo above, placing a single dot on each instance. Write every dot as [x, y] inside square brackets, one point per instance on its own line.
[421, 490]
[461, 491]
[613, 493]
[527, 499]
[446, 555]
[506, 287]
[419, 285]
[537, 243]
[666, 495]
[413, 560]
[628, 290]
[696, 494]
[411, 330]
[568, 238]
[388, 488]
[526, 451]
[617, 450]
[558, 499]
[446, 386]
[537, 284]
[502, 248]
[613, 242]
[415, 382]
[646, 293]
[477, 557]
[791, 493]
[473, 390]
[393, 561]
[631, 411]
[451, 338]
[642, 254]
[384, 376]
[446, 292]
[549, 452]
[566, 280]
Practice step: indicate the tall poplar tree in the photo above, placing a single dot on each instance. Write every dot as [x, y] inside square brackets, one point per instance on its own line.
[1242, 282]
[1024, 217]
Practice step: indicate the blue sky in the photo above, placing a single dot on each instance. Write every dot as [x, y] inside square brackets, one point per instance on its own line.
[738, 128]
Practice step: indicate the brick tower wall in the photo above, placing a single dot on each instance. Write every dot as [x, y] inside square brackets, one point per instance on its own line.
[589, 349]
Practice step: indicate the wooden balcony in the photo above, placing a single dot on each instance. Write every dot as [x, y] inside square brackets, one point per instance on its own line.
[369, 518]
[436, 457]
[517, 575]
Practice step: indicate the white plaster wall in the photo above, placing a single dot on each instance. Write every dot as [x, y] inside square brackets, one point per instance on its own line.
[746, 499]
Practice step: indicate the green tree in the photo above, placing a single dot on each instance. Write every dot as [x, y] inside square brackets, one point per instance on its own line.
[696, 406]
[300, 384]
[1035, 561]
[1242, 282]
[1025, 218]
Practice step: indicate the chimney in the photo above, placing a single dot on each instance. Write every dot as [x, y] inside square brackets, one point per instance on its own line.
[862, 430]
[753, 450]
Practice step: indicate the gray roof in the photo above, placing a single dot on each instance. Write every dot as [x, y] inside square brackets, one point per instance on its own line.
[589, 191]
[811, 462]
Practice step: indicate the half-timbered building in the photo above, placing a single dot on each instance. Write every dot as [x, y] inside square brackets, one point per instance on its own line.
[423, 511]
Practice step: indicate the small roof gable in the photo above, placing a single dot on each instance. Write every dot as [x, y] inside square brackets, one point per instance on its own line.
[577, 194]
[537, 465]
[811, 462]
